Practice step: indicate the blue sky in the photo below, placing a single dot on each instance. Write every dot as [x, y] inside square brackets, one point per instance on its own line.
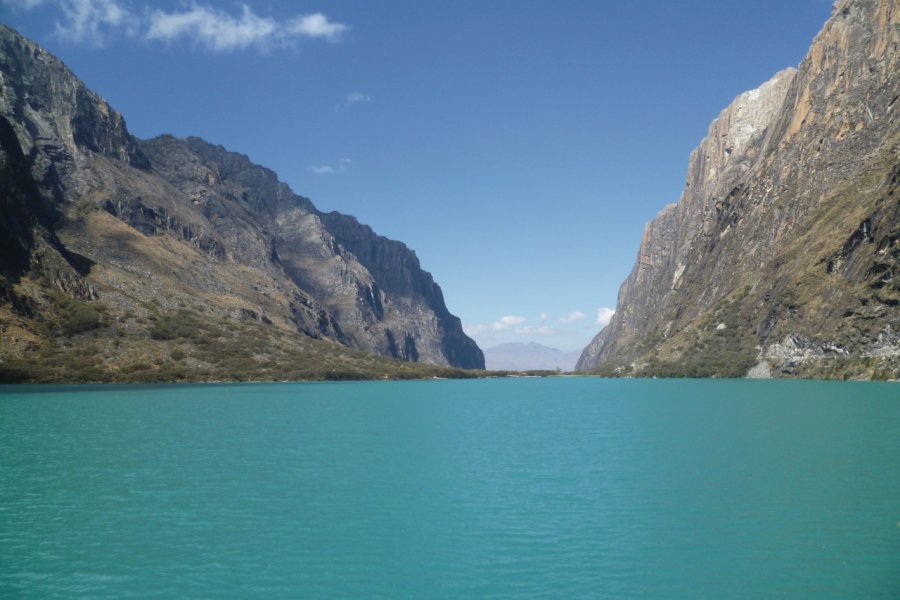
[517, 146]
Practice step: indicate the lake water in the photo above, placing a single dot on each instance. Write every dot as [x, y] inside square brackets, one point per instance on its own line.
[530, 488]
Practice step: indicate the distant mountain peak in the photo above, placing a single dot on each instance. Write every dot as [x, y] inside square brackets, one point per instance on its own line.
[523, 356]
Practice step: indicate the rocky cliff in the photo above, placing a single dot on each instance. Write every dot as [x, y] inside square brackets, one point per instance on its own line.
[782, 254]
[136, 238]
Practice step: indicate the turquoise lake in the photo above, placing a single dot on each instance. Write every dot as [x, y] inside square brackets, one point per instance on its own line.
[514, 488]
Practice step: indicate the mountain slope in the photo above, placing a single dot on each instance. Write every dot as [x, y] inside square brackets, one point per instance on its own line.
[783, 250]
[130, 234]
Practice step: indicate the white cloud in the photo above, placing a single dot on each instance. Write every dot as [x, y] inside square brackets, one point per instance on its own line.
[351, 99]
[511, 324]
[507, 321]
[544, 316]
[503, 323]
[342, 167]
[92, 21]
[214, 29]
[220, 32]
[604, 315]
[316, 26]
[572, 317]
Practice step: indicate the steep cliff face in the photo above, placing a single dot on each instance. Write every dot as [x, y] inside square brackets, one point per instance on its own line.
[405, 300]
[139, 232]
[681, 232]
[374, 291]
[782, 251]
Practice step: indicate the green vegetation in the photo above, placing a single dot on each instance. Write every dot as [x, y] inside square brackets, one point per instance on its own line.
[722, 344]
[194, 345]
[74, 316]
[850, 368]
[80, 341]
[182, 323]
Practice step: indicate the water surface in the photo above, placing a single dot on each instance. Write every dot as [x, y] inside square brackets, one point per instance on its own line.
[452, 489]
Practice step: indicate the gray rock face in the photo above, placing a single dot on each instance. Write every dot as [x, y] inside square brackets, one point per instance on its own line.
[412, 321]
[789, 219]
[681, 231]
[84, 200]
[375, 293]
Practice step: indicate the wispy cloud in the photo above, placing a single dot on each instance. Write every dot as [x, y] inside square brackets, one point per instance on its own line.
[511, 324]
[351, 99]
[96, 21]
[316, 26]
[342, 167]
[93, 21]
[572, 317]
[604, 316]
[506, 322]
[212, 28]
[503, 323]
[218, 31]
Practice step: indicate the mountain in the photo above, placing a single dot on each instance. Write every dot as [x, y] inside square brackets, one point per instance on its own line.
[783, 253]
[162, 245]
[529, 357]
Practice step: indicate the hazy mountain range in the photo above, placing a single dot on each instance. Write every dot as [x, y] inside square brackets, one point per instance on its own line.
[516, 356]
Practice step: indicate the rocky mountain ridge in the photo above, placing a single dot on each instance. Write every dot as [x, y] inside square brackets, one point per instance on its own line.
[783, 251]
[139, 232]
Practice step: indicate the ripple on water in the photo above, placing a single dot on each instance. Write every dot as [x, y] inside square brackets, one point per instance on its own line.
[528, 488]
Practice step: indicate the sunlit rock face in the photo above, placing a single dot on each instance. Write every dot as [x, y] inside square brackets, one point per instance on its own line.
[91, 210]
[788, 226]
